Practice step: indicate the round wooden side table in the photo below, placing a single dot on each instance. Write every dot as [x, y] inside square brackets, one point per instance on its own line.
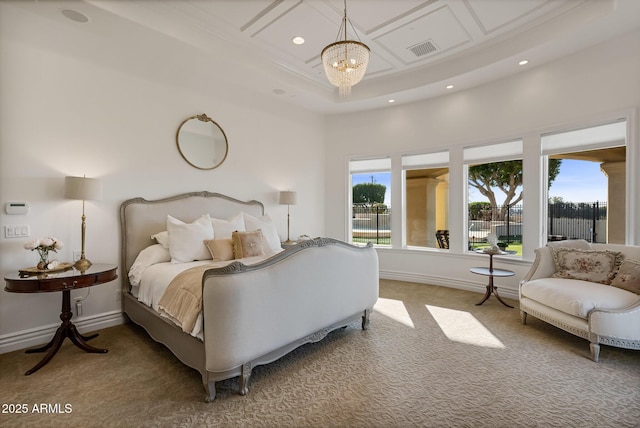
[491, 273]
[64, 281]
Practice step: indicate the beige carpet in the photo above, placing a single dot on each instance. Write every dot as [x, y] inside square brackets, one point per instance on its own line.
[431, 358]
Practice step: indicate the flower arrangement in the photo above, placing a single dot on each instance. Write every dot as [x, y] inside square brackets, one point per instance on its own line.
[43, 246]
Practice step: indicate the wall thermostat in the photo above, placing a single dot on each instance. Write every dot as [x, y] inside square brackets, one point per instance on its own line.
[16, 208]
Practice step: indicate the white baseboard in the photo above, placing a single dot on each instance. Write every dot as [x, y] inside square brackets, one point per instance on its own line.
[41, 335]
[505, 292]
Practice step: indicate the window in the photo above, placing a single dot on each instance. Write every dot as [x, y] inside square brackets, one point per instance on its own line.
[586, 171]
[494, 197]
[370, 201]
[426, 185]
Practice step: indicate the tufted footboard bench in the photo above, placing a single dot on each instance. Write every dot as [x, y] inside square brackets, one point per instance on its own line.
[589, 290]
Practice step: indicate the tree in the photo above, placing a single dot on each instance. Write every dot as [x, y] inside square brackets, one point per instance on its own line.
[477, 210]
[369, 194]
[556, 200]
[506, 177]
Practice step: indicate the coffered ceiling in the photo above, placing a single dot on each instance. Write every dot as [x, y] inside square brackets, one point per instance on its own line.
[418, 47]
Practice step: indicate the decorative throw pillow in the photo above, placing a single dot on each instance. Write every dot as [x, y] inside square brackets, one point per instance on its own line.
[247, 244]
[264, 223]
[220, 249]
[222, 229]
[628, 276]
[162, 238]
[586, 265]
[186, 240]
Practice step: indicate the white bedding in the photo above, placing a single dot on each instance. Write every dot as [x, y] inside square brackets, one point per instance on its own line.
[157, 277]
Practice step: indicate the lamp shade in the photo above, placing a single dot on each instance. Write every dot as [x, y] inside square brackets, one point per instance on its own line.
[82, 188]
[288, 197]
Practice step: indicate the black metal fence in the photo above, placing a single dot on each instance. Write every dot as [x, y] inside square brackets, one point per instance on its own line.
[578, 220]
[505, 221]
[566, 220]
[371, 224]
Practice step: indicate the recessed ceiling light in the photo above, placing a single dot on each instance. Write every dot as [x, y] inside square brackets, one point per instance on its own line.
[297, 40]
[74, 15]
[523, 62]
[392, 100]
[279, 91]
[449, 86]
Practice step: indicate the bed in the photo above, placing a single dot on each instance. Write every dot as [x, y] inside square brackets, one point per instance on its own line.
[251, 309]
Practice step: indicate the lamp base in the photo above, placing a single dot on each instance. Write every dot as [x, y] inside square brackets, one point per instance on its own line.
[82, 264]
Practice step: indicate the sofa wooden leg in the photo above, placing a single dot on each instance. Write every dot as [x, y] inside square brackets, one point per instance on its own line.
[523, 317]
[595, 351]
[365, 319]
[245, 374]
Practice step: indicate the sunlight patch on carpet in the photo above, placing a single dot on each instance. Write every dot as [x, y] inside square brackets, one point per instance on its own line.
[395, 310]
[460, 326]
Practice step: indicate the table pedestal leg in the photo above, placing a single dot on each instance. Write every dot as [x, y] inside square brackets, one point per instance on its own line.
[66, 329]
[492, 289]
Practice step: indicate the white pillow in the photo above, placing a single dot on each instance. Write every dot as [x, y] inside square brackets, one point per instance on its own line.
[149, 256]
[222, 229]
[186, 240]
[268, 231]
[162, 238]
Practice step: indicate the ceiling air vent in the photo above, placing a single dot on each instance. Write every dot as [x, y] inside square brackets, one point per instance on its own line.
[423, 48]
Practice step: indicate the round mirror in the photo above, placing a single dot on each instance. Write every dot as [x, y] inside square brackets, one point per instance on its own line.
[201, 142]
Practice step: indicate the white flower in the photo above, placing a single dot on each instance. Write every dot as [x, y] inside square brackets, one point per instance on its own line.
[57, 244]
[32, 245]
[47, 242]
[52, 264]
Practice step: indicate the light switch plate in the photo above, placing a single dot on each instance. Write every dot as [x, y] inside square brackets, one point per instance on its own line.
[17, 231]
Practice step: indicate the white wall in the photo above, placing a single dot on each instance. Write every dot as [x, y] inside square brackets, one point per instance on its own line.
[595, 85]
[105, 99]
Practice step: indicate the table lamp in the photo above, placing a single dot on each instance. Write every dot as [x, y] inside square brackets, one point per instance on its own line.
[288, 198]
[82, 188]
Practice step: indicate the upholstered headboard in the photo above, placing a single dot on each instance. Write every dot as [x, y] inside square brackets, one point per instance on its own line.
[140, 218]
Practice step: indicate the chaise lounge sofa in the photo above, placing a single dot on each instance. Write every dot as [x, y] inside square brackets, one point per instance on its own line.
[589, 290]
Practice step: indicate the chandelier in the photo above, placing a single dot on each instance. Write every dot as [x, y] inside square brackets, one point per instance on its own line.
[345, 61]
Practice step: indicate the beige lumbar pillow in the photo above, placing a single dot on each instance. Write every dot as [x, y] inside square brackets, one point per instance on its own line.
[220, 249]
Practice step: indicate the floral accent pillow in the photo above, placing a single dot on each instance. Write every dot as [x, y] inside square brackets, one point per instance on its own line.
[586, 265]
[628, 277]
[247, 244]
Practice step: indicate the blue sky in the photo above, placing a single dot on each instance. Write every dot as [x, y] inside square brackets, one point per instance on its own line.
[578, 181]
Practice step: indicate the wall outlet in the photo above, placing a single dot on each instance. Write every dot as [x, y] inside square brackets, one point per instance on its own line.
[76, 255]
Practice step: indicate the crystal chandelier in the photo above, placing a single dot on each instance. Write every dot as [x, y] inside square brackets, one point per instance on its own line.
[345, 61]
